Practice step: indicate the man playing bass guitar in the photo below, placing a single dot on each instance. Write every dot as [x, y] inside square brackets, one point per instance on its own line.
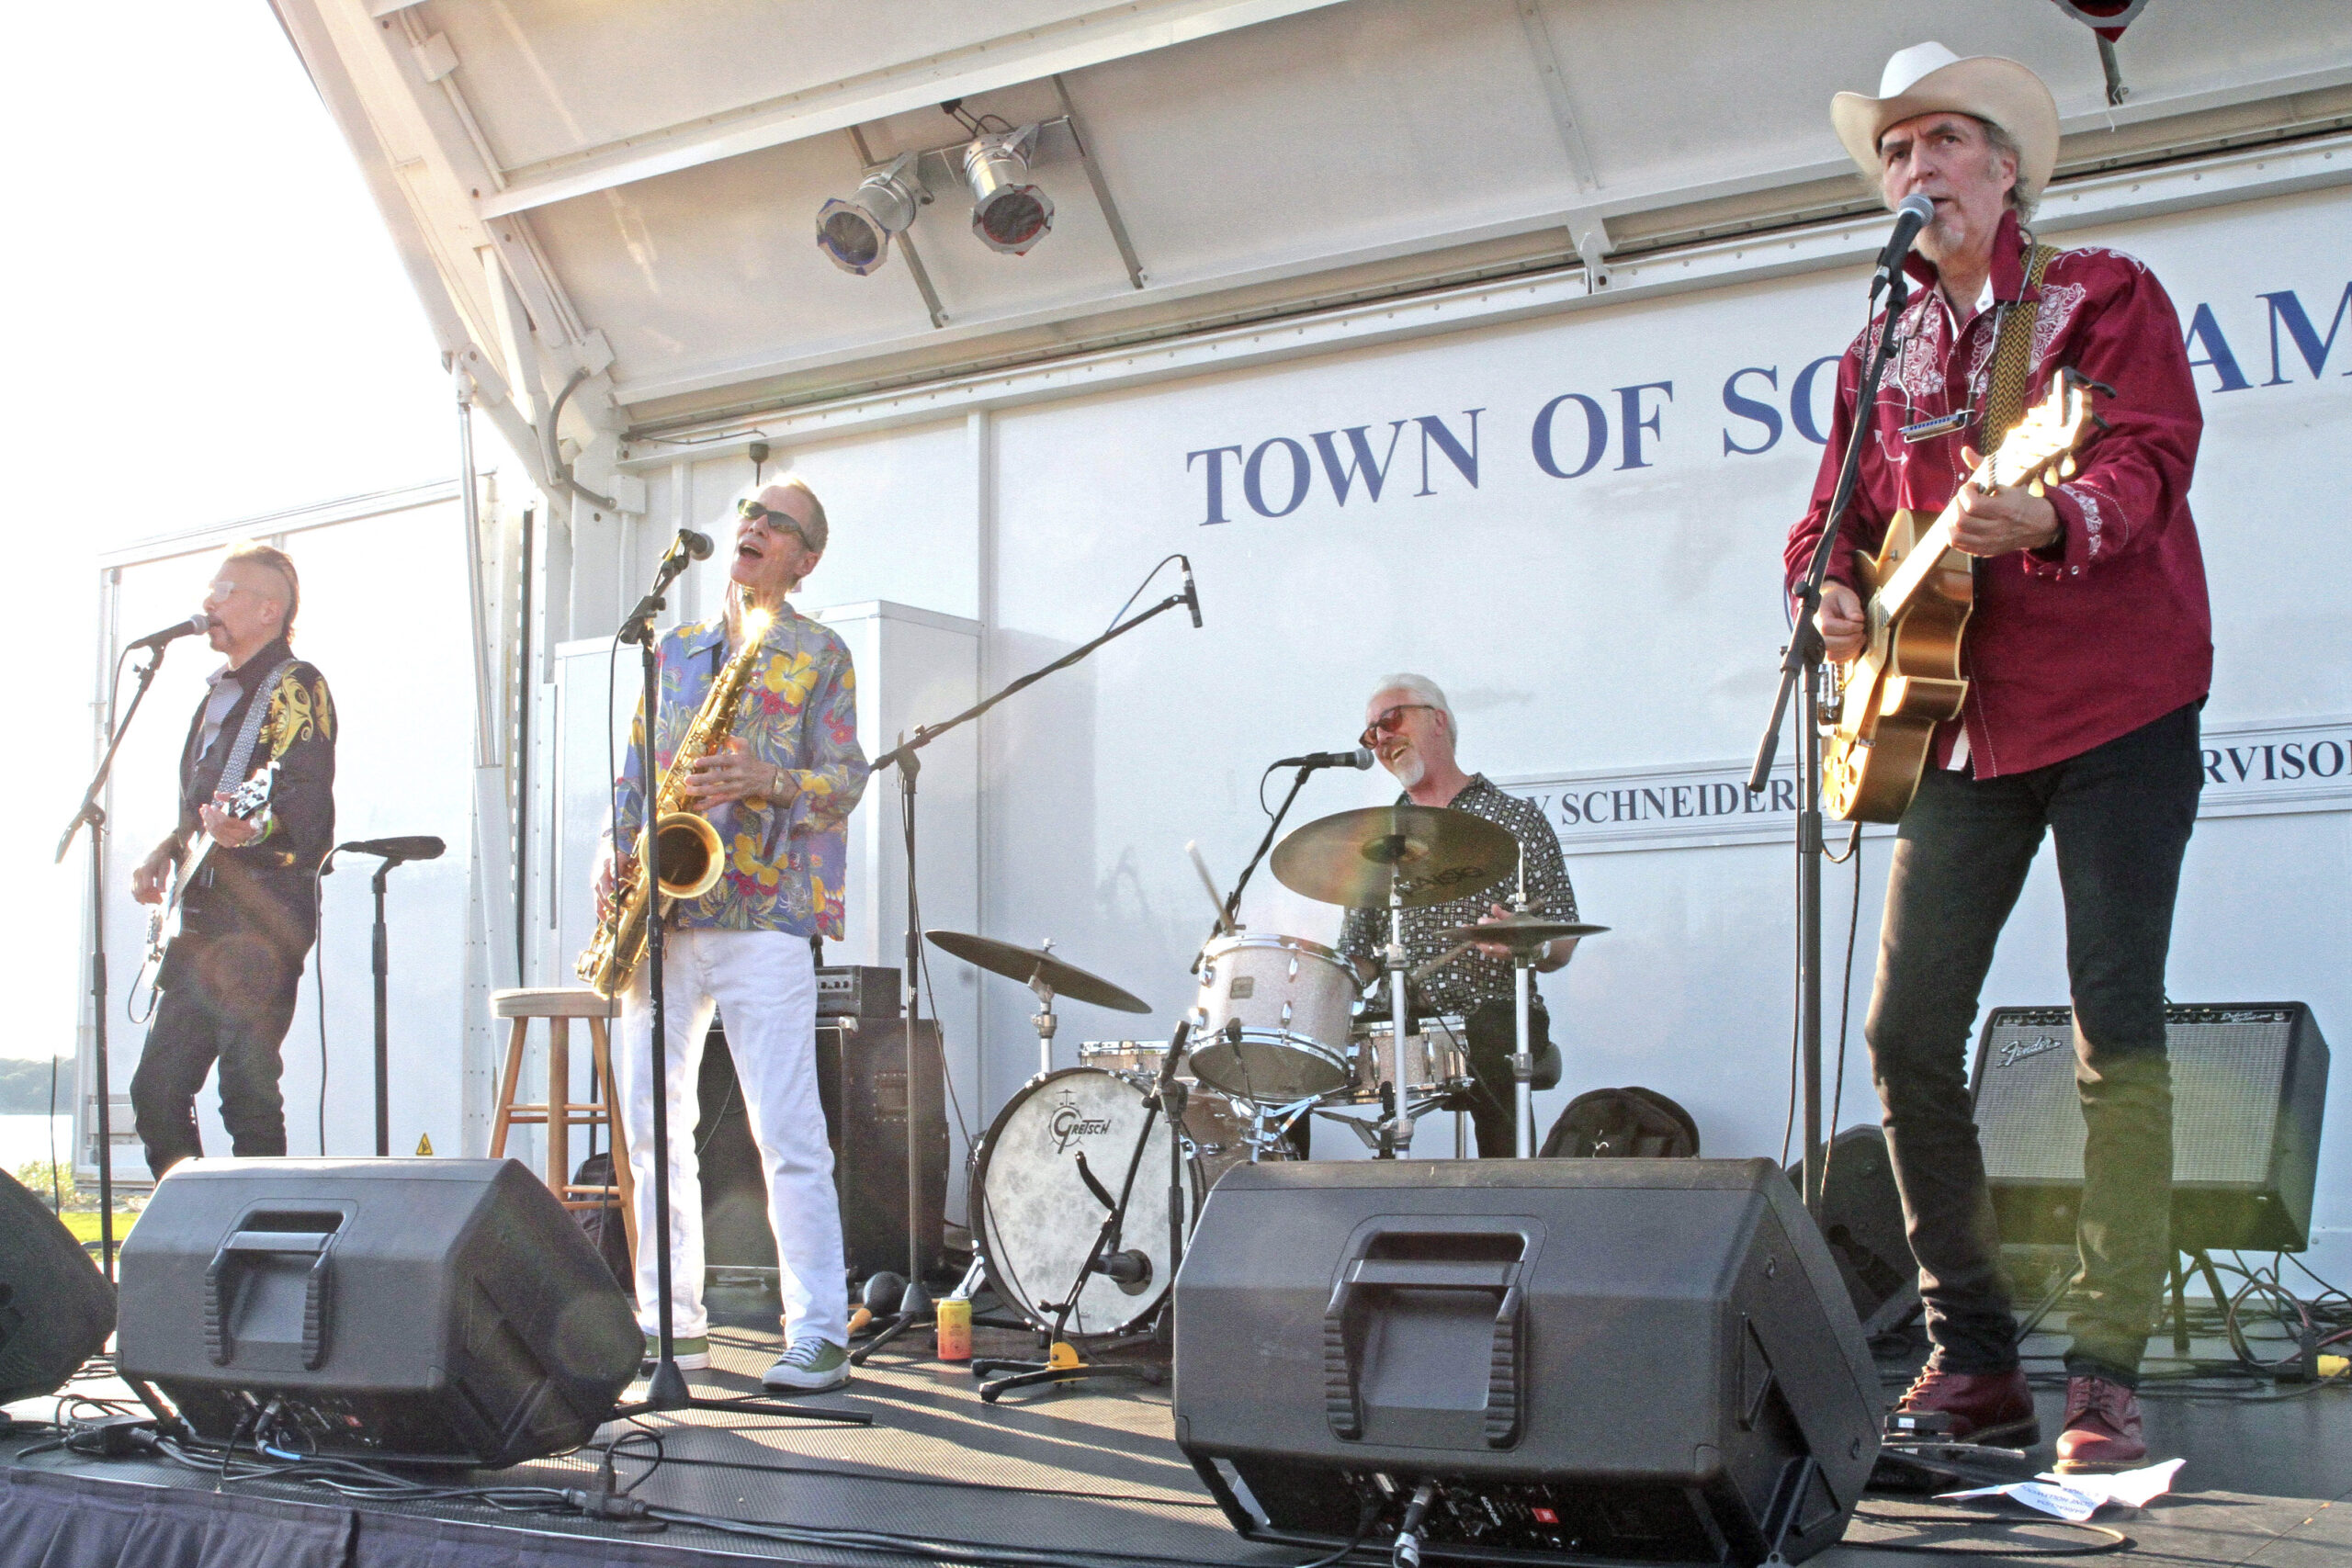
[2087, 657]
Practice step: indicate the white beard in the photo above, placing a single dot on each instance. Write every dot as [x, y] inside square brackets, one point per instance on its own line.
[1410, 769]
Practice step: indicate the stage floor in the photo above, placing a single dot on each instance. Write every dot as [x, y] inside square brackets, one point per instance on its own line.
[1068, 1473]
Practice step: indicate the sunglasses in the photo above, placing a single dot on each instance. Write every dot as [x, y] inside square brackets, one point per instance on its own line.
[753, 512]
[1390, 721]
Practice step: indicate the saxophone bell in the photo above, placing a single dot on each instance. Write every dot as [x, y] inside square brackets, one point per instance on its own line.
[692, 856]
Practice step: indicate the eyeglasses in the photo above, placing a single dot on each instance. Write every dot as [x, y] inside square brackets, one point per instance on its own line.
[1390, 721]
[221, 588]
[753, 512]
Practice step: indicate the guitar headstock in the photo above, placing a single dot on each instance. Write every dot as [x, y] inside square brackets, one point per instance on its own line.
[250, 799]
[2040, 447]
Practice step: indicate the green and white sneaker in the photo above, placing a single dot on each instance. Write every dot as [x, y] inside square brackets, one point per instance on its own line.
[691, 1352]
[808, 1365]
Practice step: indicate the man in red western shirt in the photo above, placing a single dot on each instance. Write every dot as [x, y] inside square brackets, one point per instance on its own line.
[2088, 656]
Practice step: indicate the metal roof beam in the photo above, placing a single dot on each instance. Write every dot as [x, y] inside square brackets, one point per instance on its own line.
[1115, 32]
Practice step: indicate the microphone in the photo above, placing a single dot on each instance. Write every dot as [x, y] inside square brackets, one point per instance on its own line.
[195, 625]
[413, 846]
[696, 546]
[1191, 595]
[1913, 214]
[1359, 758]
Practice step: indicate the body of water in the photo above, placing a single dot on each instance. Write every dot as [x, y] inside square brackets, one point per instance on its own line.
[26, 1139]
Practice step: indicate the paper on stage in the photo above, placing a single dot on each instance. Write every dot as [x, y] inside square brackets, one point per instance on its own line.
[2076, 1497]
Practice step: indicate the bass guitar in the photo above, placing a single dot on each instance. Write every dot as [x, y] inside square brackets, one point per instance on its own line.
[249, 802]
[1880, 721]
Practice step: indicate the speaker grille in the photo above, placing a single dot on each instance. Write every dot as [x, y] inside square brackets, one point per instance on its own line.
[2228, 1072]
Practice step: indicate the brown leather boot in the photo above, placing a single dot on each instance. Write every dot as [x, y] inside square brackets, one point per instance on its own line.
[2102, 1428]
[1966, 1407]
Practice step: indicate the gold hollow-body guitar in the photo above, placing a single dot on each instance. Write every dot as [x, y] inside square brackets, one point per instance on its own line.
[1918, 592]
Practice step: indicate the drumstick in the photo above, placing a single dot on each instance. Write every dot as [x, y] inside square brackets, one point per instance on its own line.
[1223, 920]
[1440, 962]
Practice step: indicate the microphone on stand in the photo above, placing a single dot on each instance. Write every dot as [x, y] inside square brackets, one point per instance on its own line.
[195, 625]
[410, 846]
[1913, 214]
[696, 547]
[1359, 758]
[1191, 595]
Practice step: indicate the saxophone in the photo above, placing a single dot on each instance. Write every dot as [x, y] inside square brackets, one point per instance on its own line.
[691, 857]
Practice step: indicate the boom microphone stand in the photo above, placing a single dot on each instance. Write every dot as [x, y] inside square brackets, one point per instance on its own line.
[667, 1388]
[1801, 670]
[91, 813]
[906, 758]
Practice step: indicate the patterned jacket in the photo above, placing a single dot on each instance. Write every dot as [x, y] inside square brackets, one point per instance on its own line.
[2108, 627]
[265, 887]
[784, 867]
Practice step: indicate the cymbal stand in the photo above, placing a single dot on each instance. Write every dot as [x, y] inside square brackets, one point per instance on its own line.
[1522, 1061]
[1042, 1020]
[1128, 1266]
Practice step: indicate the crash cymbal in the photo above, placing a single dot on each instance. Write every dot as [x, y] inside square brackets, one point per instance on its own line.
[1520, 933]
[1432, 852]
[1027, 963]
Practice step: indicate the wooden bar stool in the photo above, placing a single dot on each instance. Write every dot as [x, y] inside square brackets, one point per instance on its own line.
[559, 1005]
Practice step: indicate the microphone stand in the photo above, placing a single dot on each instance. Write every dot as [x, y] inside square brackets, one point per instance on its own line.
[1061, 1363]
[1233, 899]
[381, 963]
[666, 1390]
[906, 758]
[94, 815]
[1801, 671]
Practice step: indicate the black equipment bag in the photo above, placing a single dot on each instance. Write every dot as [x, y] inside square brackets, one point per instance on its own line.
[1622, 1124]
[430, 1308]
[1634, 1359]
[56, 1308]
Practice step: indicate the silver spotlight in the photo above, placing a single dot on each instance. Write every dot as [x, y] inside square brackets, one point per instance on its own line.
[855, 234]
[1009, 214]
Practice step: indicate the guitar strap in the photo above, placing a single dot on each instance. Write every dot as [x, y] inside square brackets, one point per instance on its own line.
[2013, 356]
[240, 752]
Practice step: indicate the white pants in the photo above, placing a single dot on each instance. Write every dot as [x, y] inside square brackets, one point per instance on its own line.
[765, 983]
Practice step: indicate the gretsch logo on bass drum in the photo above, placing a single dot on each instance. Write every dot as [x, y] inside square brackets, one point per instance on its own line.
[1070, 1124]
[2016, 1051]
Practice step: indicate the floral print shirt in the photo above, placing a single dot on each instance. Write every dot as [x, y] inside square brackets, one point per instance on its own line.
[785, 866]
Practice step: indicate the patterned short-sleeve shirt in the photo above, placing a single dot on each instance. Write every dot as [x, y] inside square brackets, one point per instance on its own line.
[1473, 978]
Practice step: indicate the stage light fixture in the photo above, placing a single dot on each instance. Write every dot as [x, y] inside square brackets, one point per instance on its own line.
[855, 233]
[1008, 213]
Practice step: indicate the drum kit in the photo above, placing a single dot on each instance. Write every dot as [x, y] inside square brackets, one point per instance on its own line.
[1073, 1239]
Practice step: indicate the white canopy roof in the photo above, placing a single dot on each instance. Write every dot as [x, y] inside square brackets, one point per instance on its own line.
[624, 196]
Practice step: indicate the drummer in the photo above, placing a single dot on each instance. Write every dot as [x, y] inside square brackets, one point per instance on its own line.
[1410, 726]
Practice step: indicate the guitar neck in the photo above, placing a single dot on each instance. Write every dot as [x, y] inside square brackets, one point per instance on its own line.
[1895, 595]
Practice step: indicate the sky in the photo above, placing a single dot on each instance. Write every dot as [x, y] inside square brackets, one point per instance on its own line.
[209, 324]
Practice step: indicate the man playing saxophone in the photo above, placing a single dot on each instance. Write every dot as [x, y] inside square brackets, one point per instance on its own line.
[777, 794]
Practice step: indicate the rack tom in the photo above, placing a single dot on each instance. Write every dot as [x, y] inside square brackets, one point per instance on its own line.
[1293, 999]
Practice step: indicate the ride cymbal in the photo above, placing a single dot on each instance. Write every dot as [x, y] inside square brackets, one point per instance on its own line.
[1520, 933]
[1032, 963]
[1431, 853]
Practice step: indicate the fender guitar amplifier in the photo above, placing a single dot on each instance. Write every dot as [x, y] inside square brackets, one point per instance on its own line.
[2249, 1081]
[431, 1308]
[1636, 1361]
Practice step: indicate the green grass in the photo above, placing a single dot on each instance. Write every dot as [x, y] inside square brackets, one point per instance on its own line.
[83, 1224]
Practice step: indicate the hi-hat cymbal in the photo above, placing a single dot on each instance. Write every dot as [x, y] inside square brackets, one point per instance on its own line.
[1431, 852]
[1028, 964]
[1520, 933]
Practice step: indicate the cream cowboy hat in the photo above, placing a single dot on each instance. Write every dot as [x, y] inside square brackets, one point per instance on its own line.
[1927, 78]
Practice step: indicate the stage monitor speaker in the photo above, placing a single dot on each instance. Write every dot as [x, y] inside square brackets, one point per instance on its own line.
[1861, 1218]
[56, 1309]
[429, 1308]
[1636, 1360]
[2249, 1082]
[862, 1081]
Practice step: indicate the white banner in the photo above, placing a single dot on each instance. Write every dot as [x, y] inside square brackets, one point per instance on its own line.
[2251, 769]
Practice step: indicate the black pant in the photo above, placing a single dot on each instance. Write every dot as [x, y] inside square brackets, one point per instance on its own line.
[1493, 1031]
[227, 997]
[2121, 814]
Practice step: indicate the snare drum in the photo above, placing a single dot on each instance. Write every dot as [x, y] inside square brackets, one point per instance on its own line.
[1430, 1058]
[1293, 999]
